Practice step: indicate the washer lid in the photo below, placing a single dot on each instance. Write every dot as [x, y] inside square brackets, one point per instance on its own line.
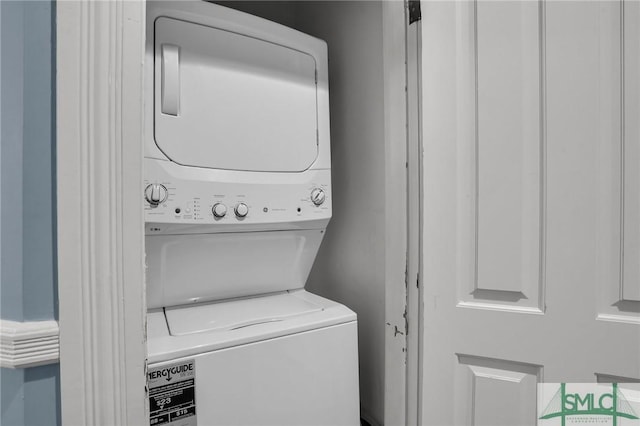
[237, 314]
[199, 339]
[228, 101]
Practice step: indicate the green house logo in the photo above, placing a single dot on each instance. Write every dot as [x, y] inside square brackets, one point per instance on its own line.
[565, 404]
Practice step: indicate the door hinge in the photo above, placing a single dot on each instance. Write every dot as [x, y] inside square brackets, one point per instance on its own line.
[414, 11]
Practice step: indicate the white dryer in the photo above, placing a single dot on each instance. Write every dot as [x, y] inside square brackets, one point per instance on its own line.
[238, 196]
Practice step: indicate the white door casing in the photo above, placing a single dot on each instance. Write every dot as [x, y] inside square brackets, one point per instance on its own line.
[530, 265]
[100, 47]
[394, 23]
[413, 310]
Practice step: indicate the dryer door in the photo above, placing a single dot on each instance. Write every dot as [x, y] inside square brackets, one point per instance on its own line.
[228, 101]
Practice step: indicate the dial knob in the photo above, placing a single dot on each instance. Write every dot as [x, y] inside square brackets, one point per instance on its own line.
[317, 196]
[155, 194]
[219, 210]
[241, 210]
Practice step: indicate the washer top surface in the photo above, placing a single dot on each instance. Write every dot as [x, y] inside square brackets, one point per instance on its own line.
[236, 314]
[189, 330]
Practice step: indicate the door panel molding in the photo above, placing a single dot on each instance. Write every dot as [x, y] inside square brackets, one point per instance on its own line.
[630, 152]
[619, 176]
[495, 391]
[501, 125]
[609, 378]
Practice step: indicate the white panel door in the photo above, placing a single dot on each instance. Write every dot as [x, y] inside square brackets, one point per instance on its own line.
[531, 203]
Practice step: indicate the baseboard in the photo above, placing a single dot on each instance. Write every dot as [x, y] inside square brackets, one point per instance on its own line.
[29, 344]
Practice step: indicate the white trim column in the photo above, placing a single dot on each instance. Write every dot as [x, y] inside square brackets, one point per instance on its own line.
[395, 139]
[100, 46]
[414, 214]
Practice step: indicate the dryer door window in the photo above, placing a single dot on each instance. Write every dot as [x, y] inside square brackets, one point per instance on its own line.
[228, 101]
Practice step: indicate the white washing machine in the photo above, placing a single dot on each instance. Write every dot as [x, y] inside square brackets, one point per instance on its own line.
[238, 197]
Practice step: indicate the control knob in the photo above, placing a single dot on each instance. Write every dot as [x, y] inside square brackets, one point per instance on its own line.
[241, 210]
[317, 196]
[219, 210]
[155, 194]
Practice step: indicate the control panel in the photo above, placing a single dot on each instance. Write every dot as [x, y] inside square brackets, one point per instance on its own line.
[261, 198]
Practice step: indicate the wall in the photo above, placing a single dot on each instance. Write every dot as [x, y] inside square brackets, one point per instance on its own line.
[350, 267]
[27, 201]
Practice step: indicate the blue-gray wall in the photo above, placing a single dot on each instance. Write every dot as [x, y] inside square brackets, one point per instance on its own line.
[27, 199]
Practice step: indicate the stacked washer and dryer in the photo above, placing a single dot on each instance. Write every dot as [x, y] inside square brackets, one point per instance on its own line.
[237, 200]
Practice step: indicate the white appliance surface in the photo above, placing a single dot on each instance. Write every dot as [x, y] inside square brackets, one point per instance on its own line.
[238, 195]
[185, 269]
[186, 331]
[306, 378]
[273, 200]
[233, 91]
[238, 313]
[237, 144]
[234, 102]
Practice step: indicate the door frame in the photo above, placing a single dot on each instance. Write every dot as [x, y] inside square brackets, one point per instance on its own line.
[395, 25]
[100, 219]
[99, 107]
[415, 152]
